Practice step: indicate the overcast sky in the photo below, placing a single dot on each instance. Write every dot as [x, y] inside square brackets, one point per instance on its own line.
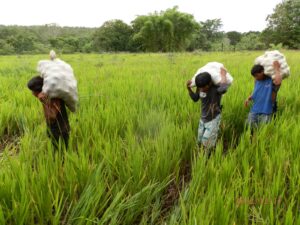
[238, 15]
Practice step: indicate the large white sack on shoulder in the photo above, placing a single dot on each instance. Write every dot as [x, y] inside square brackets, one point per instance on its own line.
[53, 65]
[267, 60]
[213, 68]
[59, 81]
[64, 65]
[286, 71]
[259, 60]
[43, 66]
[275, 54]
[61, 90]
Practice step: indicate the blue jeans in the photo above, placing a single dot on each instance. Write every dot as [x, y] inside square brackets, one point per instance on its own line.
[208, 132]
[255, 119]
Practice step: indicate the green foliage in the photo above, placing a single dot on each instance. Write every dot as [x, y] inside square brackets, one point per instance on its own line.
[166, 31]
[113, 35]
[6, 48]
[222, 45]
[21, 43]
[234, 37]
[208, 34]
[251, 41]
[134, 127]
[39, 39]
[276, 47]
[284, 24]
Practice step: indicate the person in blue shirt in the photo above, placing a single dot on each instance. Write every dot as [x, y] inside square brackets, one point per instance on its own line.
[264, 95]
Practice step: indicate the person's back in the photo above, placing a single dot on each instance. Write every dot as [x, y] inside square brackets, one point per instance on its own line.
[55, 113]
[262, 96]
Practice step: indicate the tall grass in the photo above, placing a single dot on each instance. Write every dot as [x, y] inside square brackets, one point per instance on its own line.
[134, 127]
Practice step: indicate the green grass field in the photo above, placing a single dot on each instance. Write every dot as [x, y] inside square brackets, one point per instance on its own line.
[133, 134]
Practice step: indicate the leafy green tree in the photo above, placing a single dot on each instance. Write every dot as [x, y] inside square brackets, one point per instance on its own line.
[168, 30]
[221, 45]
[234, 38]
[40, 39]
[251, 41]
[211, 28]
[180, 27]
[56, 43]
[6, 48]
[284, 25]
[137, 40]
[113, 35]
[208, 34]
[8, 31]
[22, 43]
[71, 44]
[156, 34]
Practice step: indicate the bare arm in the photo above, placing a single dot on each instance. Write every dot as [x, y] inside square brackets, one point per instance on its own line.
[246, 103]
[223, 73]
[194, 95]
[43, 97]
[223, 86]
[277, 78]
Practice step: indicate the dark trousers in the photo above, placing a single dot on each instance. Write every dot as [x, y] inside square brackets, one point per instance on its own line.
[56, 135]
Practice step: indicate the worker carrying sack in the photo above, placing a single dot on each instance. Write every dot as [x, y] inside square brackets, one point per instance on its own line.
[266, 60]
[214, 69]
[59, 80]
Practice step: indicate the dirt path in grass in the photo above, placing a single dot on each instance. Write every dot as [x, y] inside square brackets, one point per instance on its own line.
[171, 194]
[9, 141]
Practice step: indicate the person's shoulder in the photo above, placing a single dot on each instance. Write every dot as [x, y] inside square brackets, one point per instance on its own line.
[268, 78]
[269, 81]
[214, 86]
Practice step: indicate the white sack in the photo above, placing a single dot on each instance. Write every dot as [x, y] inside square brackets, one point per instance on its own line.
[213, 68]
[267, 60]
[59, 81]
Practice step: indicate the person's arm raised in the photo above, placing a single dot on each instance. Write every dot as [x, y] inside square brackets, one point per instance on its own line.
[194, 96]
[277, 78]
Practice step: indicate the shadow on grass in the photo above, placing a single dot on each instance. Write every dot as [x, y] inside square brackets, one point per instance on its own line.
[171, 194]
[10, 141]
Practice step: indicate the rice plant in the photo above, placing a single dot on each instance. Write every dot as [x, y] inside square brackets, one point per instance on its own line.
[134, 131]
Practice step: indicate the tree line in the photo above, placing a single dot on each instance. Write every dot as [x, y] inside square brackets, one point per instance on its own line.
[165, 31]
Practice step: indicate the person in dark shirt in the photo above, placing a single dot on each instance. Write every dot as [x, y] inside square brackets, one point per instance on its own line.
[55, 113]
[210, 96]
[264, 95]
